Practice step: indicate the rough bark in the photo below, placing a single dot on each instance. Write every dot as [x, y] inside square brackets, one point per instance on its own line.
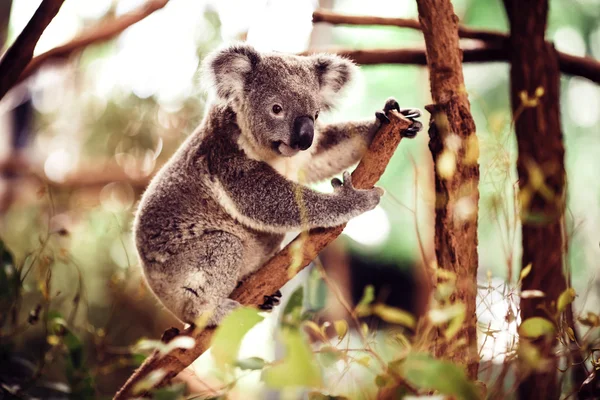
[455, 233]
[20, 53]
[276, 273]
[534, 65]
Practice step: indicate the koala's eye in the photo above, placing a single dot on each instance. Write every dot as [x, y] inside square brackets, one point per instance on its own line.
[277, 109]
[316, 115]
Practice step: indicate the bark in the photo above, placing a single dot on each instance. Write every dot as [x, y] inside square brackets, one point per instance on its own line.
[276, 273]
[20, 53]
[540, 166]
[455, 234]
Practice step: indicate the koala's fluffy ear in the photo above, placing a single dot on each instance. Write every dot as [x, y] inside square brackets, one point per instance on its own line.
[334, 73]
[226, 70]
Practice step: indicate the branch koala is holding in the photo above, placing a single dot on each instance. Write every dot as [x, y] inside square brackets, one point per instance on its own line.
[220, 207]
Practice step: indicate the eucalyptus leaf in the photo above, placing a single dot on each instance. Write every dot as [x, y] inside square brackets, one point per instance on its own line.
[228, 336]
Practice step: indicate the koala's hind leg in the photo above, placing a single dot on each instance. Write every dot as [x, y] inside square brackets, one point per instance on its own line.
[201, 278]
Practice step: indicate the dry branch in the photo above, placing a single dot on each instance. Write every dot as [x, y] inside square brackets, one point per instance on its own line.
[496, 45]
[535, 98]
[342, 19]
[20, 53]
[101, 33]
[275, 273]
[455, 234]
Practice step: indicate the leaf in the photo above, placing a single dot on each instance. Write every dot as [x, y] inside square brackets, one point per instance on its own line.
[252, 363]
[394, 315]
[329, 355]
[293, 309]
[173, 392]
[383, 380]
[228, 336]
[532, 294]
[150, 381]
[565, 299]
[316, 291]
[535, 327]
[590, 319]
[368, 296]
[298, 368]
[425, 372]
[525, 271]
[341, 328]
[440, 316]
[180, 342]
[364, 361]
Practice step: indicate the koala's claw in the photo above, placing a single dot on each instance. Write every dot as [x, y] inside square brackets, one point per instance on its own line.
[270, 301]
[391, 104]
[347, 184]
[382, 117]
[411, 113]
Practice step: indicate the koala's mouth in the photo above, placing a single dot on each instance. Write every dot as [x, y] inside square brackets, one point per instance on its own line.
[283, 148]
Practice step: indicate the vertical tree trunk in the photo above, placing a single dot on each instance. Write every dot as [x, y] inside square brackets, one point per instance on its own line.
[535, 79]
[453, 145]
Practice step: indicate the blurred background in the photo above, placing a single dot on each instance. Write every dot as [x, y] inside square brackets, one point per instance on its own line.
[91, 130]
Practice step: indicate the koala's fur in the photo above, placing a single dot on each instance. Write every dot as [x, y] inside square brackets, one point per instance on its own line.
[221, 205]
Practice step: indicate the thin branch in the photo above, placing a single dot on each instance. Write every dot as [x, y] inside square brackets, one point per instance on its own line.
[20, 53]
[276, 272]
[485, 53]
[496, 48]
[97, 34]
[342, 19]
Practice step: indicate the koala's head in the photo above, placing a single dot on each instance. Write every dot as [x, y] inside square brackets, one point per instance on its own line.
[277, 97]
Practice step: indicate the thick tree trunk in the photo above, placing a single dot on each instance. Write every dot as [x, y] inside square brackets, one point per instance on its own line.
[452, 138]
[535, 93]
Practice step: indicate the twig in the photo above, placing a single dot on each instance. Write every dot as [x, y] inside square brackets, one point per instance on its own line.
[101, 33]
[20, 53]
[342, 19]
[276, 273]
[495, 49]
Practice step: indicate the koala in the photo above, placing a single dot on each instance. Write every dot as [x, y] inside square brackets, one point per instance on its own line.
[219, 208]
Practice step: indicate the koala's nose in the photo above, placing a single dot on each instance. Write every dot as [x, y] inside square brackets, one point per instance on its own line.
[304, 131]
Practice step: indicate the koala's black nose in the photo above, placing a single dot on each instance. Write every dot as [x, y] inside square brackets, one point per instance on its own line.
[304, 131]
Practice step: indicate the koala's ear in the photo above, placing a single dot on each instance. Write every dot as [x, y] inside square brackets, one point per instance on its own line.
[334, 73]
[226, 70]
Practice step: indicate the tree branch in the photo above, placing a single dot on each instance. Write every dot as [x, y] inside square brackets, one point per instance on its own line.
[101, 33]
[342, 19]
[455, 232]
[276, 273]
[496, 48]
[20, 53]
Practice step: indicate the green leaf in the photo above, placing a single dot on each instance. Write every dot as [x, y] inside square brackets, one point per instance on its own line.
[341, 328]
[368, 296]
[252, 363]
[228, 336]
[394, 315]
[525, 271]
[173, 392]
[535, 327]
[329, 355]
[316, 291]
[292, 313]
[425, 372]
[565, 299]
[298, 368]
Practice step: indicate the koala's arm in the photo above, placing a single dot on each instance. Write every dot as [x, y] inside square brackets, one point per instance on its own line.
[343, 144]
[339, 146]
[257, 196]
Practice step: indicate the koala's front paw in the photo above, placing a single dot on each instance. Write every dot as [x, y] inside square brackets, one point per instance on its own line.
[270, 301]
[410, 113]
[364, 200]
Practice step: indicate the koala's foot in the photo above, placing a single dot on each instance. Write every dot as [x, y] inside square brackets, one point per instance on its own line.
[271, 301]
[410, 113]
[362, 199]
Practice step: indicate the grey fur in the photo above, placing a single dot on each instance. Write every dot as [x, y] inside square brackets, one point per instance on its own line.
[219, 208]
